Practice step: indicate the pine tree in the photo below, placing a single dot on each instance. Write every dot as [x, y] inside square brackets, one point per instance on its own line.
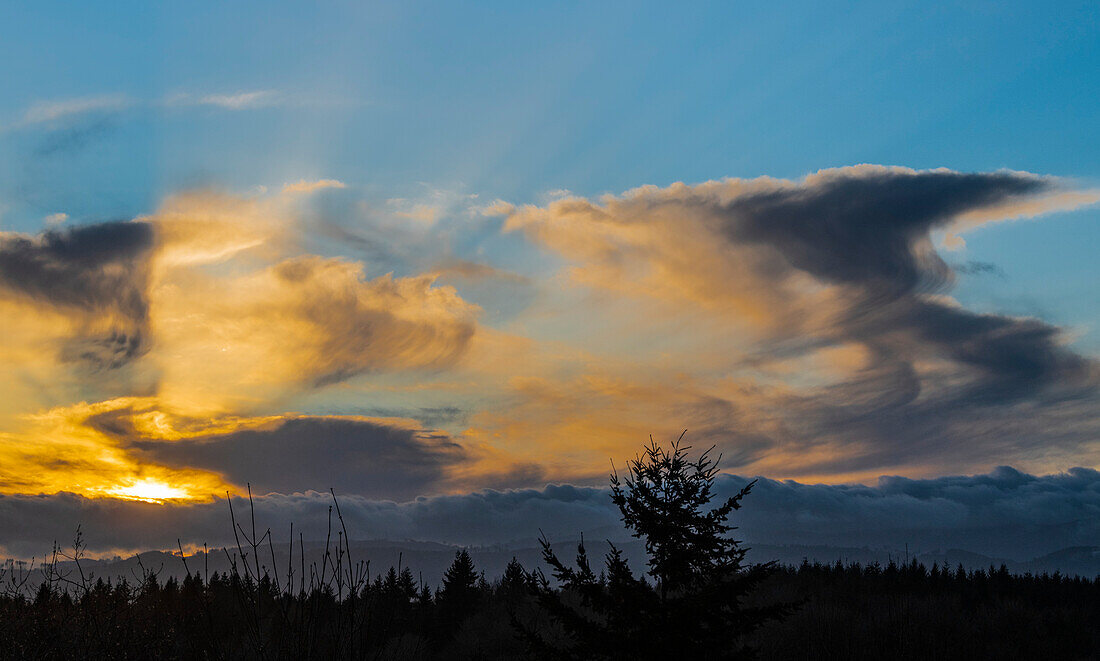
[459, 595]
[460, 579]
[514, 580]
[406, 585]
[693, 609]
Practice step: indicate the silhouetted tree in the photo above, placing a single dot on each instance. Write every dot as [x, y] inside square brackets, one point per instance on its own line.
[459, 594]
[514, 580]
[460, 579]
[694, 607]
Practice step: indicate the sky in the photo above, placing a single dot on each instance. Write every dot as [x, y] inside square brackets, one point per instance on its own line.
[438, 251]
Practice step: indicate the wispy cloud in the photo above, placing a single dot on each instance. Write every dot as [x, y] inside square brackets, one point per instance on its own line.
[63, 112]
[44, 112]
[242, 100]
[307, 186]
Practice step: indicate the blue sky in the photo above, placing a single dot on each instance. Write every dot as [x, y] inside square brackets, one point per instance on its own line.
[392, 216]
[513, 100]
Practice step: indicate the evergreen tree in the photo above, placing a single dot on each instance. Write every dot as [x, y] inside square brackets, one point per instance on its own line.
[459, 594]
[406, 585]
[514, 580]
[460, 579]
[693, 608]
[424, 597]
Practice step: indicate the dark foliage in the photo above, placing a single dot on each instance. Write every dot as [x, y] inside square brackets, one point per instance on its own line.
[459, 596]
[848, 612]
[909, 611]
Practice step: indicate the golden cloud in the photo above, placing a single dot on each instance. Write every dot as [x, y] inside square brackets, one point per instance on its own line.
[204, 308]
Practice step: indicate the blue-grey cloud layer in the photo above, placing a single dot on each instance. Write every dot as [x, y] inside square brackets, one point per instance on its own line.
[1004, 513]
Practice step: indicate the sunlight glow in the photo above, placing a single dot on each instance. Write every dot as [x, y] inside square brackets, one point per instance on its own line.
[149, 491]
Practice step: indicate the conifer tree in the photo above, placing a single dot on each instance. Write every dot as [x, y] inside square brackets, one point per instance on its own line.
[460, 579]
[514, 579]
[459, 595]
[406, 585]
[693, 608]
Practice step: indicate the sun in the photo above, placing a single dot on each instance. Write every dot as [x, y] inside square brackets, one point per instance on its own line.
[149, 491]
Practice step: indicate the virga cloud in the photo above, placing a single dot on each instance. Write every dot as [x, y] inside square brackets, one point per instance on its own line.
[843, 260]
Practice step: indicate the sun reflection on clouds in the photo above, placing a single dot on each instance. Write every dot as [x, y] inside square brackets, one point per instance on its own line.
[83, 449]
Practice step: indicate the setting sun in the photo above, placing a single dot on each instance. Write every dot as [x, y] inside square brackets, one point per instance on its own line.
[150, 491]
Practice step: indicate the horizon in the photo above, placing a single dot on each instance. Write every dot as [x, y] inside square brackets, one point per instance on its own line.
[449, 262]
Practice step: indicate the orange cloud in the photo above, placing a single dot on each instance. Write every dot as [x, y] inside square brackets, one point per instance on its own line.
[300, 323]
[205, 308]
[56, 450]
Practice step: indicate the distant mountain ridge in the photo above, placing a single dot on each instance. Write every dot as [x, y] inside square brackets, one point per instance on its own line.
[428, 560]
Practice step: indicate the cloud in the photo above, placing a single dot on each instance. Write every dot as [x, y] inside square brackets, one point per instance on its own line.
[465, 269]
[233, 101]
[144, 448]
[62, 113]
[805, 327]
[789, 272]
[430, 207]
[303, 322]
[45, 112]
[738, 245]
[212, 286]
[239, 100]
[305, 186]
[376, 458]
[498, 208]
[72, 138]
[57, 449]
[96, 276]
[1004, 513]
[973, 267]
[216, 315]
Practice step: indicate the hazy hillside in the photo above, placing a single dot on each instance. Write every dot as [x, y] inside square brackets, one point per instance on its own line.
[428, 560]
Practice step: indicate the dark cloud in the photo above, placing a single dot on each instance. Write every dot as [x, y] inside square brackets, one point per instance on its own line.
[863, 227]
[1004, 513]
[1014, 357]
[87, 267]
[351, 455]
[869, 230]
[95, 273]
